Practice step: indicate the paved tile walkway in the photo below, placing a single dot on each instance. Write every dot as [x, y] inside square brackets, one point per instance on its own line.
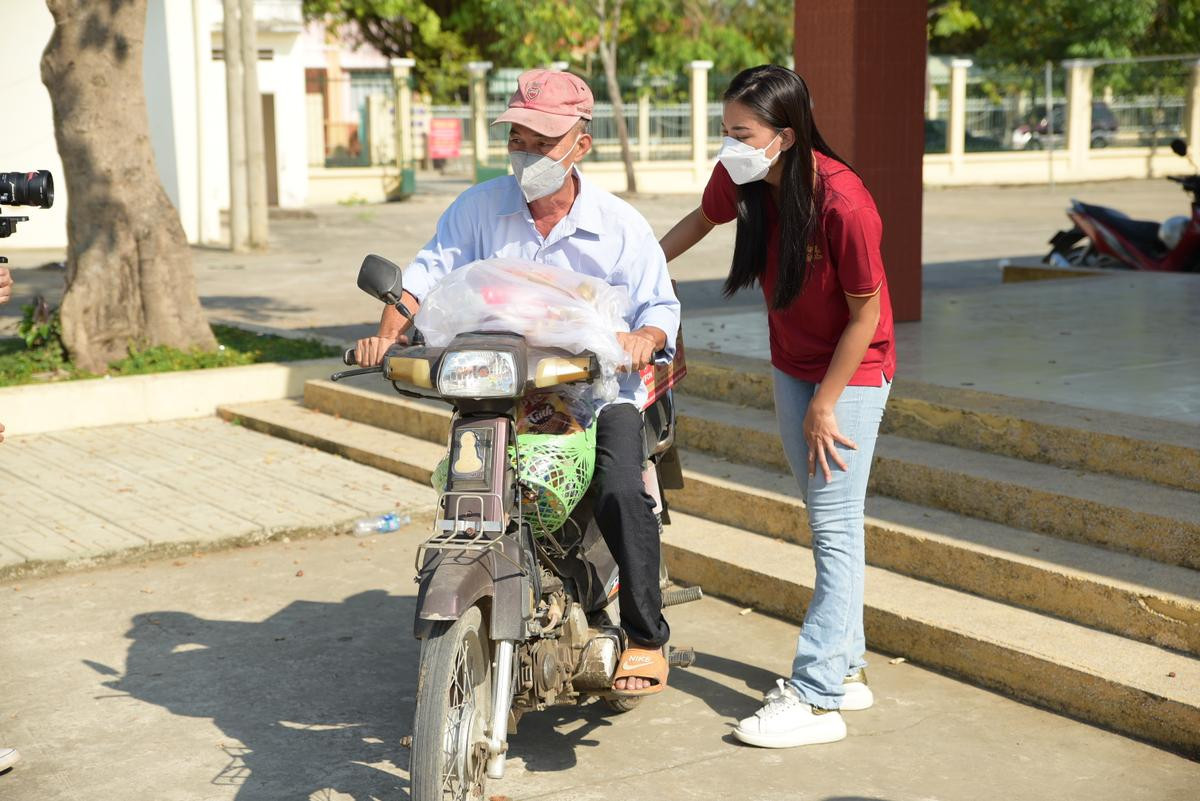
[91, 493]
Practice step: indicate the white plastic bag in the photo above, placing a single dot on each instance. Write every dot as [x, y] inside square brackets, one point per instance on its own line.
[551, 307]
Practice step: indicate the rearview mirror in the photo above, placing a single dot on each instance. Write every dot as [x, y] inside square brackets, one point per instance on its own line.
[380, 279]
[1179, 147]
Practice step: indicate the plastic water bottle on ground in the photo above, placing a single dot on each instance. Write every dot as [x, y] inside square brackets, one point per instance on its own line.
[381, 525]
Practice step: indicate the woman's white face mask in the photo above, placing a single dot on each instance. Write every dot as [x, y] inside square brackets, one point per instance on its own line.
[539, 175]
[744, 163]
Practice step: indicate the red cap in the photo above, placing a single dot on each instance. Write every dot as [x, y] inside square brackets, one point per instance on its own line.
[549, 102]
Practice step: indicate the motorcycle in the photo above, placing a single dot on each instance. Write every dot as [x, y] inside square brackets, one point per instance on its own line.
[513, 617]
[1114, 240]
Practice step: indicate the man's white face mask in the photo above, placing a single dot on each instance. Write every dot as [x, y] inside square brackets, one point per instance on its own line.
[540, 175]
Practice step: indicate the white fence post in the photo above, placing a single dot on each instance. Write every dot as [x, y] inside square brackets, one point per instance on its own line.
[643, 129]
[1191, 123]
[956, 130]
[479, 70]
[700, 117]
[934, 99]
[401, 70]
[1079, 114]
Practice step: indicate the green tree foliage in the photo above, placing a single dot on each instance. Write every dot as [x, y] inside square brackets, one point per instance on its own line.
[1013, 39]
[656, 37]
[1027, 33]
[404, 28]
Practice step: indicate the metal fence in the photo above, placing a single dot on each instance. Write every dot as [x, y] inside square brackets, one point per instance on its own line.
[1148, 120]
[669, 132]
[1116, 122]
[1133, 105]
[1140, 103]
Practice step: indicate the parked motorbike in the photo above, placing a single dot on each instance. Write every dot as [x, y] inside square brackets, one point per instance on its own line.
[512, 617]
[1114, 240]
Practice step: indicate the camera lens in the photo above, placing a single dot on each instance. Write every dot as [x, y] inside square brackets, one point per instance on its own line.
[27, 189]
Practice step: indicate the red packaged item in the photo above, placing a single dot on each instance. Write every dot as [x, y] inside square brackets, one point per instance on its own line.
[658, 378]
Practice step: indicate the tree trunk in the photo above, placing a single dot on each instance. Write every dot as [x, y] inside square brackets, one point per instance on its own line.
[608, 55]
[129, 269]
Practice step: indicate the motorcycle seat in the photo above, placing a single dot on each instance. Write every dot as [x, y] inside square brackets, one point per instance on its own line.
[1142, 233]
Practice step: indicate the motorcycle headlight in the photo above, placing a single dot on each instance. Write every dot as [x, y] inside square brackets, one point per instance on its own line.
[479, 374]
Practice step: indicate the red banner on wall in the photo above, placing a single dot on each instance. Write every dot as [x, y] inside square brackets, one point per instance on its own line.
[445, 138]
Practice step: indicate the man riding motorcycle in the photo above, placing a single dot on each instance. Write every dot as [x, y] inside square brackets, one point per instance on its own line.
[547, 212]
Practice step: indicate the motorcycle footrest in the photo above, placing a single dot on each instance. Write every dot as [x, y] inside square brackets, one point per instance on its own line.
[682, 657]
[682, 595]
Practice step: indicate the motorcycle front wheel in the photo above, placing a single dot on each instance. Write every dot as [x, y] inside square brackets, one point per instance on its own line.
[449, 744]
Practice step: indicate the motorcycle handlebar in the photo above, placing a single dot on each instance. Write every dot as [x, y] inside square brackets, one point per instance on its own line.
[349, 357]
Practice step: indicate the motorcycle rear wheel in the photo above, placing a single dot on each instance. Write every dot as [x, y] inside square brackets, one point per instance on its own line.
[622, 705]
[1087, 256]
[454, 704]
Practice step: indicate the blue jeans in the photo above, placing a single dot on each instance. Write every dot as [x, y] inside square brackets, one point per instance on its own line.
[831, 642]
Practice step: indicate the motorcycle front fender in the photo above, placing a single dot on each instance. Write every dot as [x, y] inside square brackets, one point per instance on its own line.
[454, 581]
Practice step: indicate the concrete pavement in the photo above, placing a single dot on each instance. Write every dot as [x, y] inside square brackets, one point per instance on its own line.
[287, 671]
[306, 280]
[1112, 342]
[1119, 343]
[79, 497]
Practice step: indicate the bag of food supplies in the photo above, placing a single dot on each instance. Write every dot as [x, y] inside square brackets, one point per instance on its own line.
[552, 307]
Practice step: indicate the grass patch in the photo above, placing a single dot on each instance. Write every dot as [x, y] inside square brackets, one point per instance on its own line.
[20, 364]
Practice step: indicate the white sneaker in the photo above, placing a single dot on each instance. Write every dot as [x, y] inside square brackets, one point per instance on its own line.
[786, 720]
[8, 758]
[857, 697]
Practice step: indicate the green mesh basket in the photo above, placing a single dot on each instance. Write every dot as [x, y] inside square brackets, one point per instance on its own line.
[554, 471]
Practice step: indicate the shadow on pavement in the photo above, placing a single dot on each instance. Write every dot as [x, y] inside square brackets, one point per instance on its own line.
[312, 695]
[544, 748]
[704, 296]
[253, 307]
[725, 701]
[316, 697]
[349, 333]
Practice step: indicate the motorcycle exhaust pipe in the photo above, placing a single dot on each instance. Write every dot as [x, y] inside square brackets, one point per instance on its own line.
[683, 595]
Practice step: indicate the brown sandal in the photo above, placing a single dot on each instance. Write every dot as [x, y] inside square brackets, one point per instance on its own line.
[642, 663]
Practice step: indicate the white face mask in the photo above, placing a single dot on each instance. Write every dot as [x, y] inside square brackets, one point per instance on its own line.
[539, 175]
[744, 163]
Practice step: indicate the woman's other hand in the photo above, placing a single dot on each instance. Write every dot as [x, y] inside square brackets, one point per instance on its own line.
[822, 435]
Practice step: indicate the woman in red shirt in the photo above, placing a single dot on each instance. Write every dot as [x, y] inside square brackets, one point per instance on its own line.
[809, 234]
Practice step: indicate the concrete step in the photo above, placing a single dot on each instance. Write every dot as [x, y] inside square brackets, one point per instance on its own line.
[382, 448]
[380, 406]
[1130, 687]
[1119, 593]
[1145, 519]
[1129, 446]
[1123, 594]
[1092, 675]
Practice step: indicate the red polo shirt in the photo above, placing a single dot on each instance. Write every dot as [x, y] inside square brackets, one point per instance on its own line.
[845, 261]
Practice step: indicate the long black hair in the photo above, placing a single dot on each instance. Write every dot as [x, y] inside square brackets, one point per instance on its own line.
[780, 99]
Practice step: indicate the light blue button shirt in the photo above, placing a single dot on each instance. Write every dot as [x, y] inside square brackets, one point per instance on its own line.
[602, 236]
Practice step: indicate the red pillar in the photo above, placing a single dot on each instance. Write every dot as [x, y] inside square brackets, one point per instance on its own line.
[864, 62]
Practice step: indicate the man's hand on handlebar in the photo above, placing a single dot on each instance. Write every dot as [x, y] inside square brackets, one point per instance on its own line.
[369, 351]
[640, 345]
